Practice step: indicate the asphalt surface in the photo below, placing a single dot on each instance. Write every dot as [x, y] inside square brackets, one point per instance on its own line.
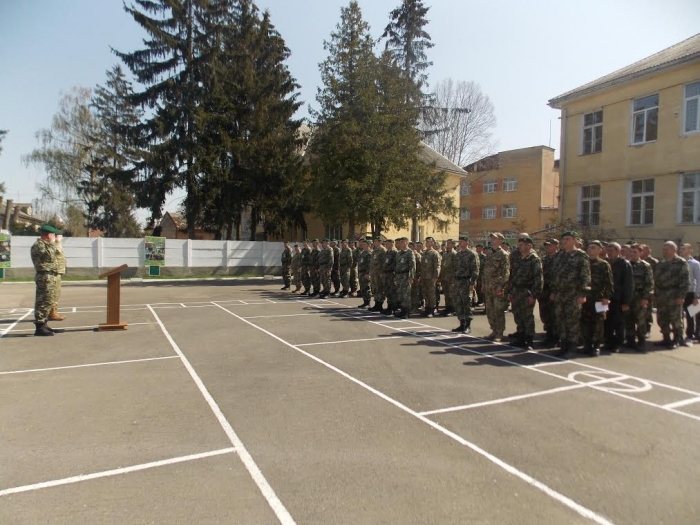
[233, 402]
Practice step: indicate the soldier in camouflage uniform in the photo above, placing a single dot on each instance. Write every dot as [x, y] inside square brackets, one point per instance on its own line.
[335, 270]
[671, 283]
[405, 274]
[296, 268]
[430, 270]
[641, 300]
[653, 261]
[315, 269]
[524, 285]
[376, 273]
[325, 264]
[551, 247]
[305, 267]
[345, 264]
[592, 321]
[479, 282]
[571, 283]
[496, 275]
[61, 270]
[353, 268]
[415, 285]
[447, 276]
[466, 273]
[364, 261]
[389, 277]
[43, 253]
[287, 266]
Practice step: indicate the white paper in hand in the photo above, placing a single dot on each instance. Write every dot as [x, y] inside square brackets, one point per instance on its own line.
[693, 309]
[600, 307]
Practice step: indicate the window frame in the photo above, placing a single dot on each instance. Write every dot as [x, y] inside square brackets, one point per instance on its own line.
[582, 199]
[490, 182]
[509, 180]
[685, 110]
[645, 112]
[592, 127]
[489, 209]
[465, 188]
[467, 211]
[333, 229]
[696, 198]
[507, 208]
[642, 195]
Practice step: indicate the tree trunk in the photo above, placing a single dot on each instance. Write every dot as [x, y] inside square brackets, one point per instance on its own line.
[351, 227]
[229, 229]
[253, 223]
[414, 228]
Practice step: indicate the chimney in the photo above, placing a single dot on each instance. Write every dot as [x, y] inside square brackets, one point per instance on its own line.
[8, 210]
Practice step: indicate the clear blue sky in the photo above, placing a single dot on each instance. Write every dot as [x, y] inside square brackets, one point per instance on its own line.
[521, 52]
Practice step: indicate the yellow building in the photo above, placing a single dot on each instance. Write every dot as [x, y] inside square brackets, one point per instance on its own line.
[630, 148]
[511, 191]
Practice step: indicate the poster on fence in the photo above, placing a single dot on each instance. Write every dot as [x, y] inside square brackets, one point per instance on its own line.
[4, 250]
[155, 251]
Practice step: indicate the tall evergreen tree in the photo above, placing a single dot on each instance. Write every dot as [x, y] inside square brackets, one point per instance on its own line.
[3, 132]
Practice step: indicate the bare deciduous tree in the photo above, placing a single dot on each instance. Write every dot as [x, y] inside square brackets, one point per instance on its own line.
[459, 122]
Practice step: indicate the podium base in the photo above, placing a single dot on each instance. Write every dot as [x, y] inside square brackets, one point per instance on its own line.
[103, 327]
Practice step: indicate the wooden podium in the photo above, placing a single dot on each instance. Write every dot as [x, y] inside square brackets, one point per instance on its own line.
[113, 299]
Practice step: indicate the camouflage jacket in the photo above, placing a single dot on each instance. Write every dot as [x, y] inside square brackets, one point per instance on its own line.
[482, 263]
[572, 274]
[296, 262]
[643, 277]
[406, 263]
[653, 261]
[325, 258]
[286, 256]
[672, 278]
[430, 265]
[419, 258]
[466, 266]
[305, 256]
[547, 267]
[377, 261]
[355, 257]
[601, 280]
[389, 265]
[364, 261]
[313, 258]
[44, 256]
[336, 258]
[345, 258]
[447, 270]
[61, 269]
[496, 270]
[526, 274]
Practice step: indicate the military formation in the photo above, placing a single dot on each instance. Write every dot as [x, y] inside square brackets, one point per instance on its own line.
[592, 299]
[49, 266]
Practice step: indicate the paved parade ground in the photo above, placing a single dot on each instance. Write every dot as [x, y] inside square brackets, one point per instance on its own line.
[232, 402]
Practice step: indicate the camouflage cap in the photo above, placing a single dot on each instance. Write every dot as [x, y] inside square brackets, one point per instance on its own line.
[596, 242]
[344, 240]
[527, 240]
[497, 235]
[429, 239]
[463, 237]
[551, 240]
[390, 240]
[314, 240]
[296, 246]
[326, 240]
[378, 238]
[480, 245]
[419, 243]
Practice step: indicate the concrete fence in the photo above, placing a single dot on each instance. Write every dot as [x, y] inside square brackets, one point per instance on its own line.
[87, 257]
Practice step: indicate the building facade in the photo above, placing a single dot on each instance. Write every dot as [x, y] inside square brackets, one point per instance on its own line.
[509, 192]
[630, 149]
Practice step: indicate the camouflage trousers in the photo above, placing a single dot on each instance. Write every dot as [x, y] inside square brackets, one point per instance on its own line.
[669, 315]
[416, 294]
[59, 278]
[345, 278]
[378, 288]
[428, 289]
[365, 289]
[636, 320]
[287, 274]
[45, 296]
[305, 278]
[403, 291]
[316, 279]
[296, 278]
[389, 285]
[479, 291]
[523, 312]
[448, 291]
[335, 279]
[462, 300]
[353, 279]
[592, 323]
[568, 315]
[496, 306]
[325, 275]
[547, 312]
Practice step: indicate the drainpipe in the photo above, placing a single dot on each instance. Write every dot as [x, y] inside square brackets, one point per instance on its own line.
[562, 163]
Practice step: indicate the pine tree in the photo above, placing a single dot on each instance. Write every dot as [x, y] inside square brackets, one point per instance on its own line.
[3, 132]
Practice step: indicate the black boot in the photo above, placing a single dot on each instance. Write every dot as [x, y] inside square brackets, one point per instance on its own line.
[641, 346]
[429, 312]
[364, 304]
[467, 327]
[42, 330]
[666, 341]
[460, 328]
[564, 353]
[344, 293]
[631, 344]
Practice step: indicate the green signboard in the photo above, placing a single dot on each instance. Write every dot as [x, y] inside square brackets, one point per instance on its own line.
[155, 251]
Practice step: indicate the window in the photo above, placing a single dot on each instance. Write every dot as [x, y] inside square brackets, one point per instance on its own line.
[590, 205]
[334, 232]
[465, 188]
[642, 202]
[490, 186]
[510, 184]
[465, 214]
[509, 211]
[645, 119]
[692, 114]
[593, 132]
[489, 212]
[690, 198]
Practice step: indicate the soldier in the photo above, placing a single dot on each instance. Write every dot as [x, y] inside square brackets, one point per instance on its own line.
[325, 264]
[646, 256]
[415, 285]
[447, 276]
[45, 262]
[344, 264]
[353, 268]
[405, 274]
[376, 267]
[61, 270]
[287, 266]
[430, 270]
[305, 267]
[466, 273]
[551, 247]
[571, 283]
[593, 321]
[315, 269]
[496, 275]
[296, 268]
[671, 282]
[623, 286]
[641, 300]
[479, 282]
[524, 286]
[389, 277]
[691, 325]
[335, 271]
[364, 262]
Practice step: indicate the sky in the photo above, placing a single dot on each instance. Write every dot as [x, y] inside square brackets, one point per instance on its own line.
[521, 52]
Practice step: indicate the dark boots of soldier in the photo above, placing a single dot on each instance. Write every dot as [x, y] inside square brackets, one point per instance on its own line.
[377, 307]
[551, 338]
[389, 310]
[42, 330]
[460, 327]
[343, 293]
[666, 341]
[564, 353]
[429, 312]
[364, 304]
[641, 346]
[401, 313]
[631, 343]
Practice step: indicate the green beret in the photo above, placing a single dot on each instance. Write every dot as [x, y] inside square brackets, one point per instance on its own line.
[597, 243]
[450, 240]
[326, 240]
[48, 228]
[429, 239]
[390, 240]
[296, 246]
[314, 240]
[462, 238]
[419, 243]
[569, 233]
[378, 238]
[528, 240]
[344, 240]
[480, 245]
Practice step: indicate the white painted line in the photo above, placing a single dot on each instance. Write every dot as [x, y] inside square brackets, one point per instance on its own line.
[346, 341]
[74, 310]
[242, 302]
[568, 502]
[89, 365]
[13, 310]
[275, 503]
[547, 363]
[114, 472]
[282, 315]
[183, 305]
[69, 328]
[683, 403]
[8, 330]
[516, 398]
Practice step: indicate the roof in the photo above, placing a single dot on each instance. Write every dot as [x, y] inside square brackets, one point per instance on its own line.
[178, 220]
[430, 156]
[686, 51]
[493, 162]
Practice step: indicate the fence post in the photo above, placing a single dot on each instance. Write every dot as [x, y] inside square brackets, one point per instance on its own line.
[188, 253]
[225, 254]
[99, 255]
